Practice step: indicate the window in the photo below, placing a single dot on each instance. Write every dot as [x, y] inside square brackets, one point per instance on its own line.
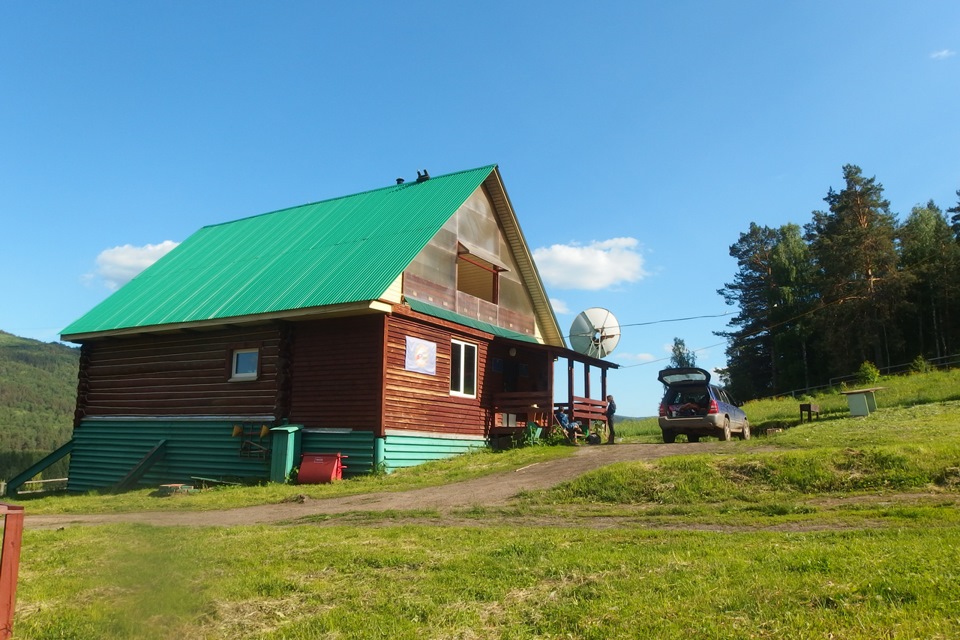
[246, 364]
[477, 279]
[477, 276]
[463, 369]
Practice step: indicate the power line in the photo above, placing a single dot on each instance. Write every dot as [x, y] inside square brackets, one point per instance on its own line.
[643, 324]
[745, 335]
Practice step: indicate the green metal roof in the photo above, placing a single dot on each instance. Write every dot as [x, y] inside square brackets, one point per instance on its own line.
[344, 250]
[446, 314]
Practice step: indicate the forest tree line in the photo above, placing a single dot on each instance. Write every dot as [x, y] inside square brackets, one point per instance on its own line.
[38, 389]
[852, 285]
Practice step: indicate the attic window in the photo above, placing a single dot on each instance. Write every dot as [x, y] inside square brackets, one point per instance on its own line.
[246, 365]
[477, 276]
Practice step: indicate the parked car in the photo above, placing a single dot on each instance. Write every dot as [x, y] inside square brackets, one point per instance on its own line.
[695, 408]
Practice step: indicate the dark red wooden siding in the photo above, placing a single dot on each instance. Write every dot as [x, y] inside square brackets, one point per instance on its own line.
[421, 402]
[337, 373]
[177, 374]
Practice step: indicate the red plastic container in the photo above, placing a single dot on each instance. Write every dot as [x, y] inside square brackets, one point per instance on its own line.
[318, 468]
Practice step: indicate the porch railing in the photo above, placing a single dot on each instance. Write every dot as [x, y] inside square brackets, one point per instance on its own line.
[538, 406]
[585, 410]
[528, 406]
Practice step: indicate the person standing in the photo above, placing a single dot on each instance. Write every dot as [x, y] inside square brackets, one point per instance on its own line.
[611, 409]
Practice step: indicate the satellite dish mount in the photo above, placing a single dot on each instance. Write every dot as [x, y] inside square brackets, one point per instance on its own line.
[595, 332]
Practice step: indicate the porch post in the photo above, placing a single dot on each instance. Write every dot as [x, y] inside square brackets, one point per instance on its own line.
[570, 387]
[550, 381]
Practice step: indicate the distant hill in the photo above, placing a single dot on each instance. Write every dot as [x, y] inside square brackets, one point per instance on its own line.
[38, 387]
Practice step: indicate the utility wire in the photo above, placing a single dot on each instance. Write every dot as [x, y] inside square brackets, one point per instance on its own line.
[643, 324]
[745, 335]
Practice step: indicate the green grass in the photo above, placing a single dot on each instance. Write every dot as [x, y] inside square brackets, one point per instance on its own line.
[898, 391]
[471, 465]
[842, 527]
[487, 582]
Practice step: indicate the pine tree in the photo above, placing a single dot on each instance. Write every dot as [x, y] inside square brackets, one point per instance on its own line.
[852, 245]
[793, 301]
[750, 352]
[930, 255]
[768, 352]
[681, 357]
[955, 218]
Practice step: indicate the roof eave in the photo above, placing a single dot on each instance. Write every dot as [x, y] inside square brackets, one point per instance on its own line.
[527, 267]
[309, 313]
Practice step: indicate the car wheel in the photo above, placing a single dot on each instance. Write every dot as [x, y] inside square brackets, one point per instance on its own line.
[693, 438]
[669, 437]
[726, 430]
[745, 433]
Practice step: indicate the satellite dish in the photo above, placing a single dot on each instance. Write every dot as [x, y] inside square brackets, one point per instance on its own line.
[595, 333]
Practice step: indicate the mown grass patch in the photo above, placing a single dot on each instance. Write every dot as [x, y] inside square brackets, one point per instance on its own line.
[494, 582]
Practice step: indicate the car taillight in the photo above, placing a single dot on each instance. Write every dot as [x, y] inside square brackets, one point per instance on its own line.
[663, 409]
[714, 407]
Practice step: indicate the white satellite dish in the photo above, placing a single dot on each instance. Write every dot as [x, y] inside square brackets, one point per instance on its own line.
[595, 333]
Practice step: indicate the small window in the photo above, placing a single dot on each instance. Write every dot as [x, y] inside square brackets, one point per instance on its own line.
[246, 364]
[463, 369]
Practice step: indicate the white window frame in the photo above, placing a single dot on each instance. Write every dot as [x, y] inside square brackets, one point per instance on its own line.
[236, 376]
[462, 347]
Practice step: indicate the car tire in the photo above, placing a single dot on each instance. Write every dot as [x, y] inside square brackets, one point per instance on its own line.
[692, 438]
[745, 432]
[725, 436]
[669, 437]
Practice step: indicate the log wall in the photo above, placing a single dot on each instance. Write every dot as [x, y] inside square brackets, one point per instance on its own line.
[337, 373]
[184, 373]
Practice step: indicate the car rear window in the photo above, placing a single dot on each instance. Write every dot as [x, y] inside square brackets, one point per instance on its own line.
[685, 394]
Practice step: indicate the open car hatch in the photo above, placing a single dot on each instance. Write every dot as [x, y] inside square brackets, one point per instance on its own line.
[687, 374]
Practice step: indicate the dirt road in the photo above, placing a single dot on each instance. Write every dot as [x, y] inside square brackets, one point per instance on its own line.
[489, 491]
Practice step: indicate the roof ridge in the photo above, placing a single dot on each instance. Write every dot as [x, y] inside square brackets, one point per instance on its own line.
[403, 185]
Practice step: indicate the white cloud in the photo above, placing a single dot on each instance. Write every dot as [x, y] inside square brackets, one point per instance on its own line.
[943, 54]
[119, 265]
[598, 265]
[559, 306]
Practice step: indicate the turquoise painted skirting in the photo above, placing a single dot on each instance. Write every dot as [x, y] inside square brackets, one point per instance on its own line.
[356, 445]
[403, 450]
[105, 450]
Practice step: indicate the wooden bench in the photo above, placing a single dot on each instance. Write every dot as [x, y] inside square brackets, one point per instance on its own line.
[810, 409]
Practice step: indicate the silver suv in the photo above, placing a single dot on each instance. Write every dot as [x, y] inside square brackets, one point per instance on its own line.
[693, 407]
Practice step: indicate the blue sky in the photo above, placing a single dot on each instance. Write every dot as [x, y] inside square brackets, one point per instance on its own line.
[637, 140]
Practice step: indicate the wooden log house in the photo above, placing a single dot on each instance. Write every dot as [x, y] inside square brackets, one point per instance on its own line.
[394, 326]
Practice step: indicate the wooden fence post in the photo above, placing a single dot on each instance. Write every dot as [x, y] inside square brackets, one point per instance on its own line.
[9, 566]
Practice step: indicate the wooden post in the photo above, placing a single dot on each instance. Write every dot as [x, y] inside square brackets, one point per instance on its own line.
[9, 566]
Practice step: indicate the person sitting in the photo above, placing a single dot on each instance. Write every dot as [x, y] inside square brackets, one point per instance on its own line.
[571, 430]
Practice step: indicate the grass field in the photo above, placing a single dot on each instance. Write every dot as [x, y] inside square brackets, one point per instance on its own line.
[840, 528]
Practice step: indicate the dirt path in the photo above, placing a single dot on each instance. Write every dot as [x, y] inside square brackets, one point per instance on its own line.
[489, 491]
